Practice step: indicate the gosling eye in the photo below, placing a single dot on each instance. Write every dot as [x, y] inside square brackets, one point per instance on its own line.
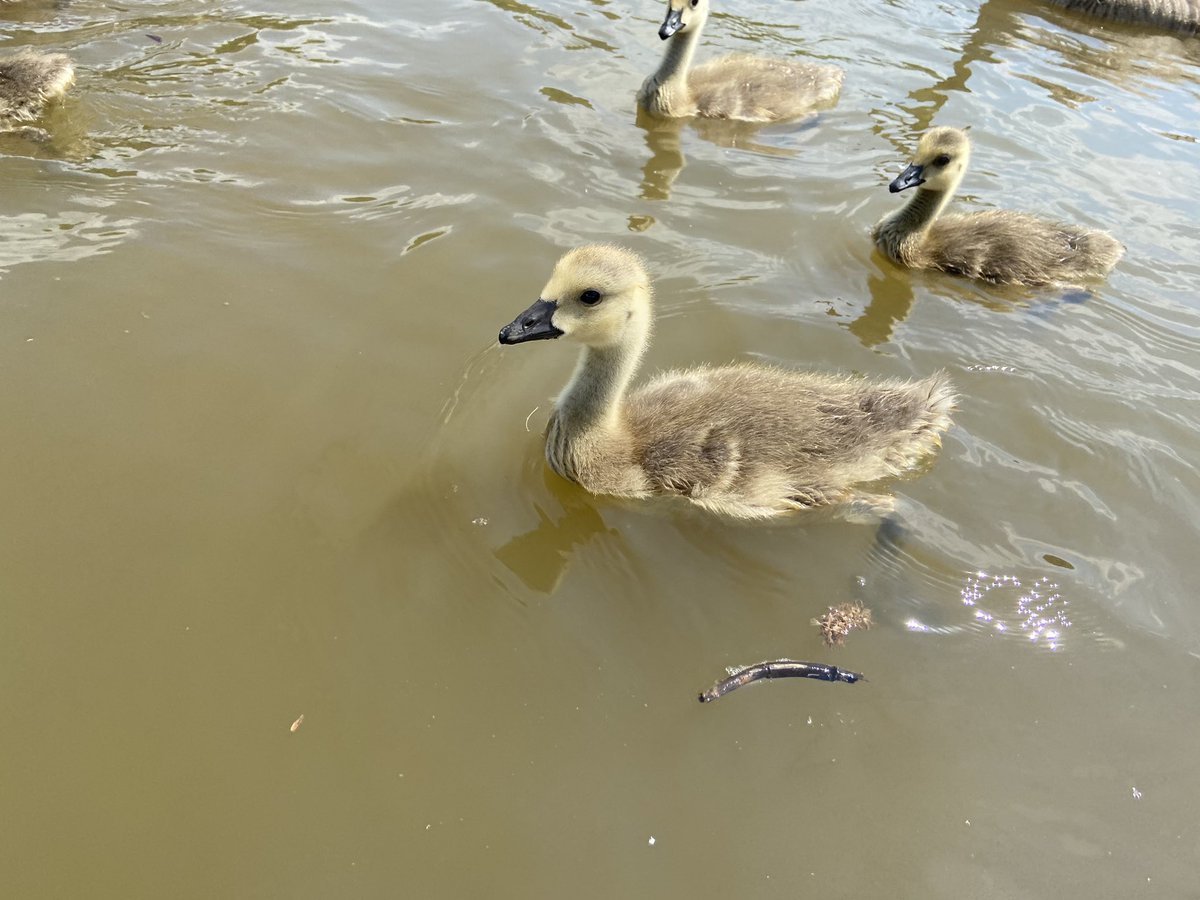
[695, 2]
[590, 297]
[942, 160]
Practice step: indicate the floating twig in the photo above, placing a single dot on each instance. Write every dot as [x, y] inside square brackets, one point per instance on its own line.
[840, 620]
[780, 668]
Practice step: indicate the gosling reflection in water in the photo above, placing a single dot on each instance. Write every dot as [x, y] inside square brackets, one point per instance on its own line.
[664, 137]
[891, 302]
[540, 557]
[666, 156]
[893, 299]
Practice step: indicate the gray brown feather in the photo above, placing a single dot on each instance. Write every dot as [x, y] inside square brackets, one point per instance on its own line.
[1174, 15]
[756, 89]
[28, 80]
[779, 439]
[1006, 247]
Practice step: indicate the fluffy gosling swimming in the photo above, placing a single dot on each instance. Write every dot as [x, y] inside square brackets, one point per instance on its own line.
[746, 441]
[745, 88]
[1174, 15]
[995, 245]
[27, 81]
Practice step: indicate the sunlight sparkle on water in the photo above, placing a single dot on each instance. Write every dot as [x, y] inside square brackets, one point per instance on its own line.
[1040, 610]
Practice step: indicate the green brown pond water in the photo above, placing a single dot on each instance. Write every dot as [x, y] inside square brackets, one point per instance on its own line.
[262, 458]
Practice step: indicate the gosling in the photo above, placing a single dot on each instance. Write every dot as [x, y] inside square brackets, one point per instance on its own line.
[994, 245]
[744, 88]
[1173, 15]
[28, 81]
[745, 441]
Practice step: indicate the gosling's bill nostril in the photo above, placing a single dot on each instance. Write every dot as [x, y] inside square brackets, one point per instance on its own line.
[910, 177]
[671, 24]
[534, 324]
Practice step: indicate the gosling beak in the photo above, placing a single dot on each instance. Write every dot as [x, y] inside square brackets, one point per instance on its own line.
[910, 177]
[671, 24]
[532, 325]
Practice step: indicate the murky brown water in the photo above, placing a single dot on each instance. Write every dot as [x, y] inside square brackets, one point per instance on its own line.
[262, 458]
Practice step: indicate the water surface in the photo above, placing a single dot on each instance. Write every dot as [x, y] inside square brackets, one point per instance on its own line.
[263, 458]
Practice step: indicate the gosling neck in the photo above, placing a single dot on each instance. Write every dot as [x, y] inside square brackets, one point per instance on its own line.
[923, 209]
[593, 397]
[681, 47]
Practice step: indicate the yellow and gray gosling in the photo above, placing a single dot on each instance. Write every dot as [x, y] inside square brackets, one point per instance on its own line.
[745, 88]
[746, 441]
[28, 81]
[994, 245]
[1174, 15]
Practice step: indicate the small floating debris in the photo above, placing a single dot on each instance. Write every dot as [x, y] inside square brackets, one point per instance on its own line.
[154, 37]
[840, 620]
[780, 668]
[296, 725]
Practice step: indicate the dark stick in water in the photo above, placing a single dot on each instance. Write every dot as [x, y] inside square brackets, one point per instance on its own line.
[780, 668]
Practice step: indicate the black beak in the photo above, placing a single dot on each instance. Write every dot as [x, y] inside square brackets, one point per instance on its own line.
[532, 325]
[671, 24]
[910, 177]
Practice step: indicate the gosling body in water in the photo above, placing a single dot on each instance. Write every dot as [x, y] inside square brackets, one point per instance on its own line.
[994, 245]
[746, 441]
[738, 87]
[28, 81]
[1174, 15]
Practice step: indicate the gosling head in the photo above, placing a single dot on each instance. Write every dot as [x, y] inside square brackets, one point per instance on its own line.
[596, 295]
[683, 14]
[939, 162]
